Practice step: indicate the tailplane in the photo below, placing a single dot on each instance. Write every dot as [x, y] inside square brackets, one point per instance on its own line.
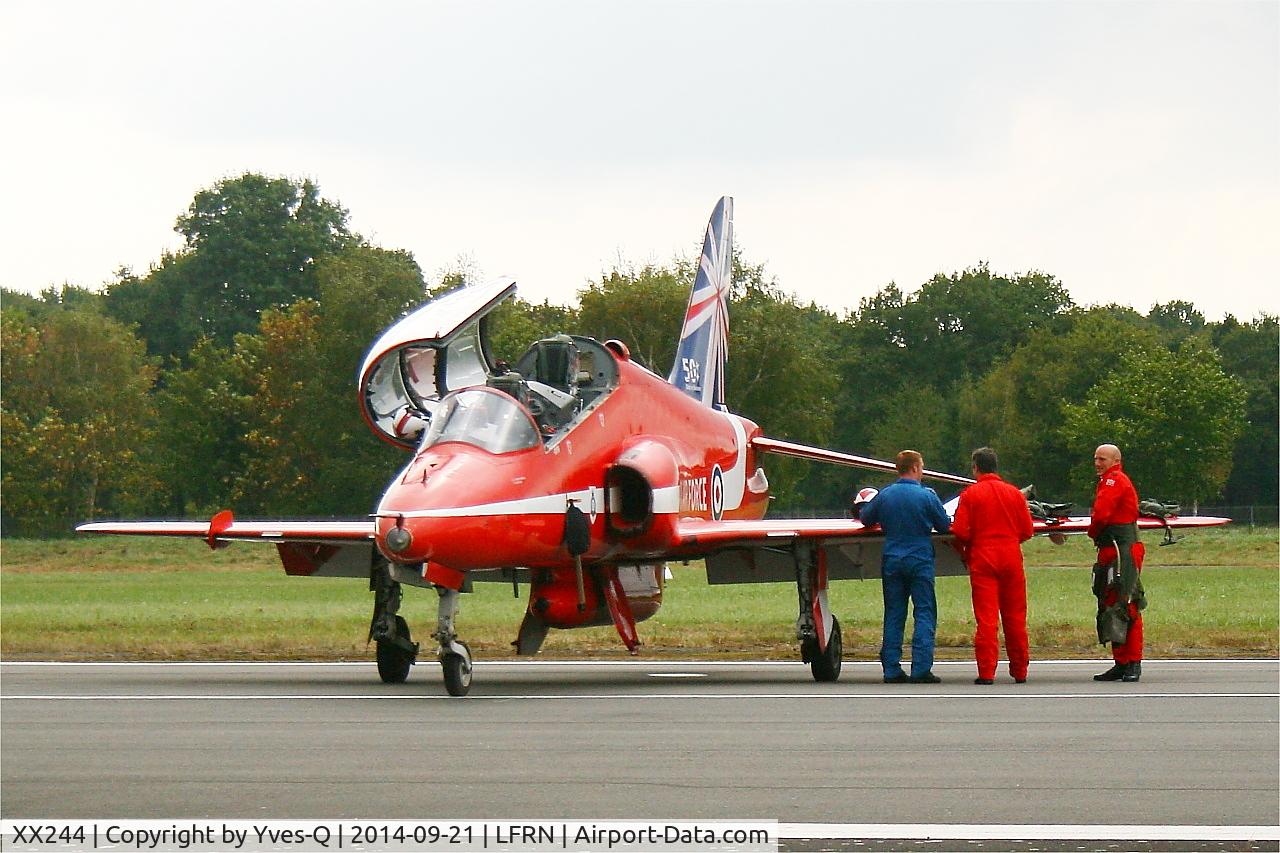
[704, 340]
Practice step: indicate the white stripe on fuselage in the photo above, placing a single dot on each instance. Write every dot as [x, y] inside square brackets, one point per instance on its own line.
[735, 479]
[665, 500]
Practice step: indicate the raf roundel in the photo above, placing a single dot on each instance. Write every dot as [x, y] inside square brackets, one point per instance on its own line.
[717, 493]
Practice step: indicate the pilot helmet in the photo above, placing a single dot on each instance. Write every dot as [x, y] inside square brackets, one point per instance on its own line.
[861, 499]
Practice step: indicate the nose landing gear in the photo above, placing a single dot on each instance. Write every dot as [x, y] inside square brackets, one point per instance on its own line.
[455, 656]
[396, 650]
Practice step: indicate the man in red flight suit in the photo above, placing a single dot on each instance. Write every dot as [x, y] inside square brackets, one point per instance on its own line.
[1118, 582]
[992, 521]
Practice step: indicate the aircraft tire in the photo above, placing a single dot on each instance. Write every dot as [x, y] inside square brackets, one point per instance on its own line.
[393, 661]
[457, 673]
[826, 665]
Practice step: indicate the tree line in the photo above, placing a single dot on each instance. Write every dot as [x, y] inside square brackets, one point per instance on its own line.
[225, 376]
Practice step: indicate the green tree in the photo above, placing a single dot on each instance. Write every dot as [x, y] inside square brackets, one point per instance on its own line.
[1175, 416]
[159, 306]
[1249, 353]
[77, 421]
[916, 419]
[516, 324]
[779, 375]
[942, 338]
[205, 410]
[309, 451]
[1176, 320]
[1018, 406]
[255, 241]
[66, 297]
[956, 326]
[283, 457]
[252, 243]
[642, 308]
[362, 291]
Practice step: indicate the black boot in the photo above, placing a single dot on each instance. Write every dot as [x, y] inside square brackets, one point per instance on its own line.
[1132, 672]
[1114, 674]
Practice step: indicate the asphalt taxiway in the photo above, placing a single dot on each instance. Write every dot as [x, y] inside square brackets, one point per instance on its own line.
[1195, 743]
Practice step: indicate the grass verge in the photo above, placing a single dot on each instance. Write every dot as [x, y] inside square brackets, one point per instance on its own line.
[1214, 594]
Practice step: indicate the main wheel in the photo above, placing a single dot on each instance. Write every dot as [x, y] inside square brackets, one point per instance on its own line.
[393, 661]
[826, 665]
[457, 672]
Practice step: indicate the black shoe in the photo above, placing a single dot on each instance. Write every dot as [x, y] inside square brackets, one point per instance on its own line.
[1019, 681]
[1132, 672]
[1114, 674]
[984, 681]
[900, 678]
[926, 678]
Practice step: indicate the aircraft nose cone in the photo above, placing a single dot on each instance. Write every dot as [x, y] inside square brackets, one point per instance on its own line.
[404, 540]
[494, 526]
[398, 539]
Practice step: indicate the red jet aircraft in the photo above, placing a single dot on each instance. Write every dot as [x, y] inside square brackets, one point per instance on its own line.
[578, 472]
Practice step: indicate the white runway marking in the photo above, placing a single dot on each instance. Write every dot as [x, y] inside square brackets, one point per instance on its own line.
[622, 664]
[1004, 831]
[562, 697]
[657, 669]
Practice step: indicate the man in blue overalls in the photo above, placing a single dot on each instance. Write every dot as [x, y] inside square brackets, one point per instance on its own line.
[907, 512]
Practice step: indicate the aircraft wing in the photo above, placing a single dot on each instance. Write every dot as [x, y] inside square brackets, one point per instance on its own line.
[702, 534]
[764, 551]
[1080, 523]
[819, 454]
[306, 548]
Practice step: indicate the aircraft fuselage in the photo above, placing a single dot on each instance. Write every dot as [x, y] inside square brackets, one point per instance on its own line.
[638, 459]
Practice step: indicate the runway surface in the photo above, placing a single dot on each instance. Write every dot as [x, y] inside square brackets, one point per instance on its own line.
[1194, 744]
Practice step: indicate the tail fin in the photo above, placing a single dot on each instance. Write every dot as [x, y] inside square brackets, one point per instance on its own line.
[704, 340]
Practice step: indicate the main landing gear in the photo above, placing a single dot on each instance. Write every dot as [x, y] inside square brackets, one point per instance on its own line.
[396, 651]
[817, 628]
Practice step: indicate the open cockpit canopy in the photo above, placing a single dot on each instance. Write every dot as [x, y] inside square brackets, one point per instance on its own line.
[411, 375]
[436, 349]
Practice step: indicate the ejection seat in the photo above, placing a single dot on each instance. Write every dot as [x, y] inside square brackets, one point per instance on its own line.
[555, 363]
[551, 368]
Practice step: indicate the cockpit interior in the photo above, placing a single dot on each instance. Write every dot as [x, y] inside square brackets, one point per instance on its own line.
[555, 384]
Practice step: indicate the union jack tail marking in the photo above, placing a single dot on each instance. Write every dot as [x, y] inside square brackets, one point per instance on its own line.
[704, 340]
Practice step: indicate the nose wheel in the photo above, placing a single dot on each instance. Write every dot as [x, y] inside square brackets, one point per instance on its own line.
[455, 656]
[457, 670]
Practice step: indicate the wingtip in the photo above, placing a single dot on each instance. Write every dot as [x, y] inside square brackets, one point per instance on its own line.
[219, 524]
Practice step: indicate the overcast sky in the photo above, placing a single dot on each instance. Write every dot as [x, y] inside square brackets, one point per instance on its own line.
[1132, 149]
